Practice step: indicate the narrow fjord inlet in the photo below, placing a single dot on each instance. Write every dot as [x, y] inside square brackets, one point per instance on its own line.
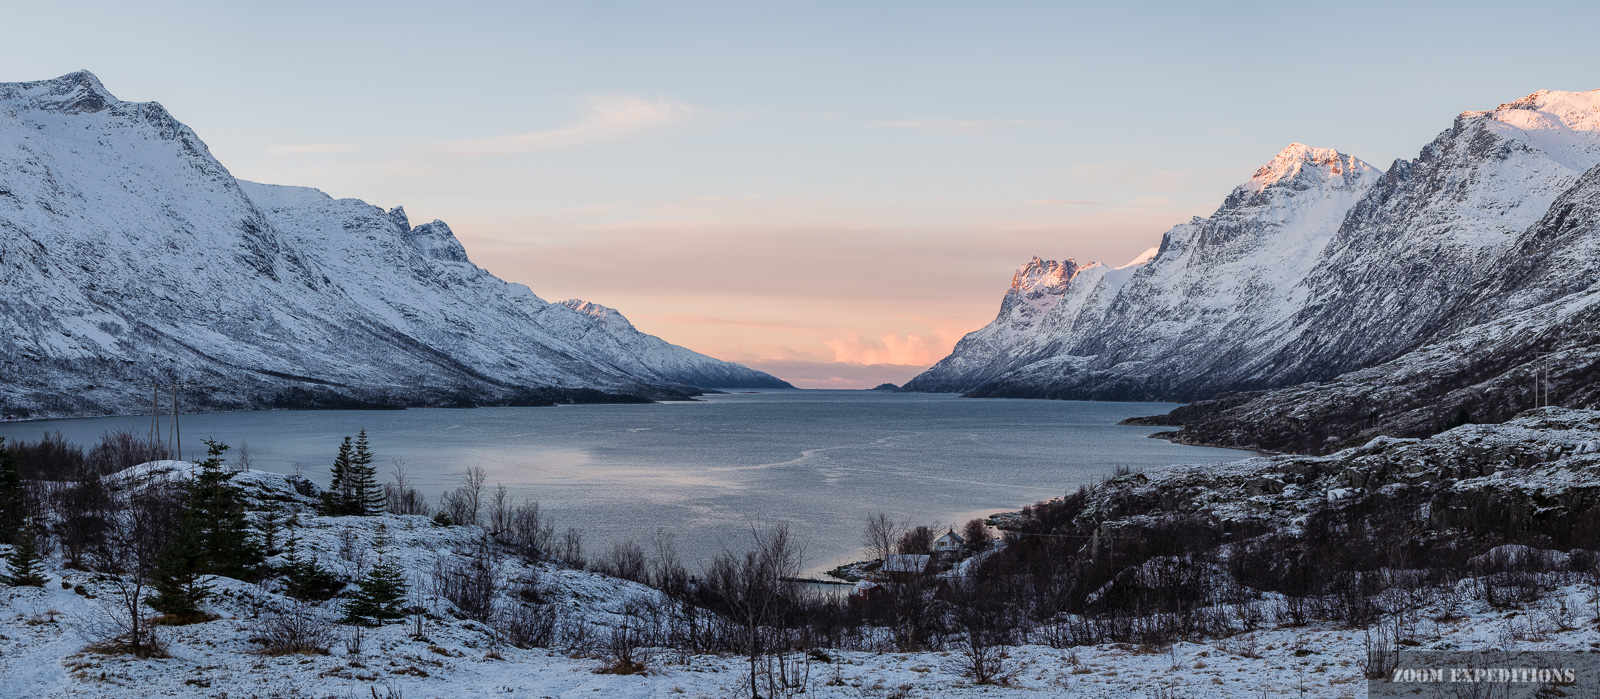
[713, 385]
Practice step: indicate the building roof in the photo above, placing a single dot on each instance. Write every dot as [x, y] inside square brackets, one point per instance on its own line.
[951, 537]
[904, 563]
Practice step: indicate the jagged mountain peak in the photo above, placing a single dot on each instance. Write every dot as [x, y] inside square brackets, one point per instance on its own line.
[1041, 274]
[73, 93]
[590, 308]
[1304, 165]
[398, 216]
[1579, 111]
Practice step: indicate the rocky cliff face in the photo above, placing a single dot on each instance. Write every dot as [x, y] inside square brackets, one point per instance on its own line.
[1358, 302]
[130, 256]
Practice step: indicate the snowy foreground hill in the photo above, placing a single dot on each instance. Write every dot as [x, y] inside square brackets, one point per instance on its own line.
[130, 256]
[1358, 302]
[1543, 463]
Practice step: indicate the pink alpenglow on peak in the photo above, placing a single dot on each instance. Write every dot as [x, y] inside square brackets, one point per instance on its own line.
[1039, 274]
[1300, 162]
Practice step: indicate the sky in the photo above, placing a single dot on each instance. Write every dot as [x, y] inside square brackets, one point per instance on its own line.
[831, 192]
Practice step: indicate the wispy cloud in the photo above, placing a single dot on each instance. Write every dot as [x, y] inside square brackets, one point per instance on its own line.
[815, 374]
[888, 348]
[312, 148]
[605, 118]
[951, 125]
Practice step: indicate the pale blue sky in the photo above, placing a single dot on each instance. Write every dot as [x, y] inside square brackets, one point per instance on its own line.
[795, 185]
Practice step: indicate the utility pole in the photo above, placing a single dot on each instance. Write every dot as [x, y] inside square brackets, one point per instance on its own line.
[155, 410]
[177, 436]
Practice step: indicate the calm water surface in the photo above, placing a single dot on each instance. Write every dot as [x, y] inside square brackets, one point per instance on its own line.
[820, 461]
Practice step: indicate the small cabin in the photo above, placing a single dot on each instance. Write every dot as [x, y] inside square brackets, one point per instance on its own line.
[950, 544]
[904, 567]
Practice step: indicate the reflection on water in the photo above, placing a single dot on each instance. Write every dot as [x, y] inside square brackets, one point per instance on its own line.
[819, 461]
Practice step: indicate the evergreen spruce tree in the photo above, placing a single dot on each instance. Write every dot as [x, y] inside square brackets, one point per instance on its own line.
[303, 578]
[336, 501]
[178, 576]
[12, 501]
[23, 561]
[380, 594]
[366, 497]
[228, 545]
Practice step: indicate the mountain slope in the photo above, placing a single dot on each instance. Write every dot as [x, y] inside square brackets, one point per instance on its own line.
[1357, 303]
[130, 256]
[651, 353]
[1171, 324]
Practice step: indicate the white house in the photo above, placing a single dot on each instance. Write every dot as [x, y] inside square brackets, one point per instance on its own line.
[950, 544]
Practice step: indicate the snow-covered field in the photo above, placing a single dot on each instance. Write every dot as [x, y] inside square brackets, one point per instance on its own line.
[44, 656]
[45, 635]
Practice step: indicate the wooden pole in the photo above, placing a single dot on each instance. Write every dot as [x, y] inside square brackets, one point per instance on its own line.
[177, 437]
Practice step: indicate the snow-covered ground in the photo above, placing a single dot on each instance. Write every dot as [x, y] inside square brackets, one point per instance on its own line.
[42, 655]
[45, 633]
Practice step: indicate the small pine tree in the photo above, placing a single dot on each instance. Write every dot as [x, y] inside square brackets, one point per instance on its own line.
[178, 577]
[23, 561]
[379, 595]
[366, 496]
[303, 578]
[336, 501]
[227, 543]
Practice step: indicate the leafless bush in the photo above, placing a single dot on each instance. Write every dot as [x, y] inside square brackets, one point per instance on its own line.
[296, 630]
[572, 548]
[753, 590]
[982, 611]
[527, 625]
[626, 560]
[880, 535]
[470, 583]
[122, 449]
[139, 531]
[83, 511]
[400, 498]
[500, 508]
[916, 540]
[627, 645]
[530, 533]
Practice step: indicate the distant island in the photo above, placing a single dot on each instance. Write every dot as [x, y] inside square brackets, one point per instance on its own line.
[884, 387]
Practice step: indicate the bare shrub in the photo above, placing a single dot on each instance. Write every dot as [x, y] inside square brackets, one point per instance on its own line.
[916, 540]
[981, 610]
[399, 497]
[500, 510]
[530, 533]
[880, 535]
[527, 625]
[470, 583]
[296, 630]
[626, 645]
[626, 560]
[139, 531]
[572, 548]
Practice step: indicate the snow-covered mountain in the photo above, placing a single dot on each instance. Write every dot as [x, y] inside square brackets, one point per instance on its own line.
[1322, 280]
[130, 256]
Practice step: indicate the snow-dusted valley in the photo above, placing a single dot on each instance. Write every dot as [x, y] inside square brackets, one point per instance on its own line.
[1270, 576]
[131, 257]
[1326, 302]
[1387, 325]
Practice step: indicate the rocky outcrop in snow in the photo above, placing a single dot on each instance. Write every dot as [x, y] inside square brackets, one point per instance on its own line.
[130, 256]
[1358, 302]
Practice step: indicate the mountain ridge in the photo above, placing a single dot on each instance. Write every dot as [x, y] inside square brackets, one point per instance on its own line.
[133, 257]
[1285, 307]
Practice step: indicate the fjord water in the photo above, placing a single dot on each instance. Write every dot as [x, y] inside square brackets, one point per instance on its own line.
[707, 470]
